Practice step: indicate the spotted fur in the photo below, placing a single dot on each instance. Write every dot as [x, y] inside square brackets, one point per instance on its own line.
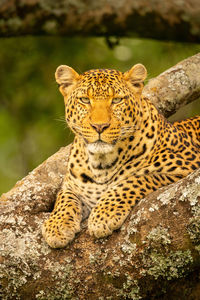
[122, 151]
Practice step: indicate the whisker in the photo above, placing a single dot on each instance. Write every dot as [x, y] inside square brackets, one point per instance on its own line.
[61, 119]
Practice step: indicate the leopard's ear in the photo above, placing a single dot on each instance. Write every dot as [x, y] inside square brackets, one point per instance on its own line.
[137, 74]
[65, 77]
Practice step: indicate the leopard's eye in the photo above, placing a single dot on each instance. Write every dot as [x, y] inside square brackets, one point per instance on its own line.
[117, 100]
[84, 100]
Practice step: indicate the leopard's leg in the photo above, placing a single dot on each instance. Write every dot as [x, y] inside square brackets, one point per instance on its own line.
[64, 221]
[115, 205]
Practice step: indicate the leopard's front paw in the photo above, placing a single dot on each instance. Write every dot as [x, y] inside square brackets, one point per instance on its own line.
[58, 235]
[101, 224]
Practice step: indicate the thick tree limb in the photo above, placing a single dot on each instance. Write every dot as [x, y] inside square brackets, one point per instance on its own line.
[157, 246]
[175, 87]
[171, 20]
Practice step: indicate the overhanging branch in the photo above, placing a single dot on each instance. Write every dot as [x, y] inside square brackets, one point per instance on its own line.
[169, 20]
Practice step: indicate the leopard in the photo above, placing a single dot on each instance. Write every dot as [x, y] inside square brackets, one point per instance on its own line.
[123, 150]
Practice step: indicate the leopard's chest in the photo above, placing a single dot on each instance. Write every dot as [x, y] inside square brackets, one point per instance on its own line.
[90, 176]
[88, 191]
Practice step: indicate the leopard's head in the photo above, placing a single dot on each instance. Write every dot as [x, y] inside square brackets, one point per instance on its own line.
[102, 106]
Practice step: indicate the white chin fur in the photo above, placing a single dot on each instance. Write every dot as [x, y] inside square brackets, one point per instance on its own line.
[100, 147]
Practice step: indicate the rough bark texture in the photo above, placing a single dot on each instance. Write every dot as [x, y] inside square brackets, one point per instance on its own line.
[175, 87]
[155, 255]
[173, 19]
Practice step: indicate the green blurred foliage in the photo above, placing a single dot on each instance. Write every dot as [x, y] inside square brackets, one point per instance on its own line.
[32, 125]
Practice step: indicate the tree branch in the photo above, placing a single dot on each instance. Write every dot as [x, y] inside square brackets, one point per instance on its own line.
[175, 87]
[171, 20]
[158, 245]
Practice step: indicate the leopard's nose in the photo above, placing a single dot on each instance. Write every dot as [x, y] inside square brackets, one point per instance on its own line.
[100, 127]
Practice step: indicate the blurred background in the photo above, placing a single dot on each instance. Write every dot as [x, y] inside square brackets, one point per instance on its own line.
[32, 125]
